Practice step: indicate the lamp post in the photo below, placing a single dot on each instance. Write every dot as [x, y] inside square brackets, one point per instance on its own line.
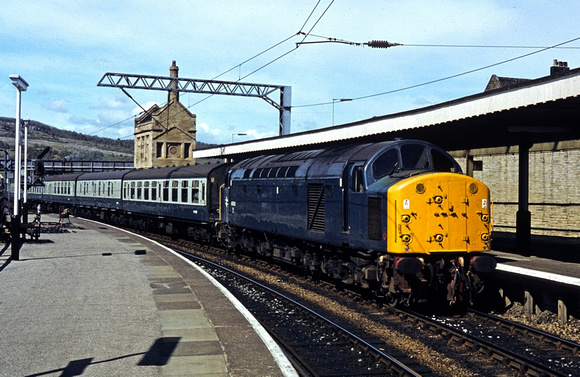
[242, 134]
[25, 180]
[21, 86]
[334, 100]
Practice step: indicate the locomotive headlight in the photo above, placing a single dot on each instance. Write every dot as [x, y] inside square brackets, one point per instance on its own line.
[405, 218]
[420, 188]
[406, 238]
[485, 217]
[485, 237]
[438, 199]
[473, 188]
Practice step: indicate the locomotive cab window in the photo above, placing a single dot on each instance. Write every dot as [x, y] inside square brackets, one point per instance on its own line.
[357, 179]
[415, 157]
[442, 162]
[386, 164]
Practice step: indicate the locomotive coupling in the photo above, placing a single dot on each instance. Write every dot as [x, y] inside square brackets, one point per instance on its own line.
[483, 263]
[408, 266]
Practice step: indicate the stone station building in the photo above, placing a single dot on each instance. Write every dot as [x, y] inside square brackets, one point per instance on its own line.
[165, 136]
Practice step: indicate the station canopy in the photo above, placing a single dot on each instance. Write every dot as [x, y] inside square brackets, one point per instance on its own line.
[541, 110]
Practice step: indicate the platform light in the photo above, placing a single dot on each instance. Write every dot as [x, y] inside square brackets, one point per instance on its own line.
[21, 86]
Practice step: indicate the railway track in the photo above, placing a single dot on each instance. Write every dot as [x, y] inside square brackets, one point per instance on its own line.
[318, 346]
[525, 350]
[518, 347]
[529, 353]
[555, 343]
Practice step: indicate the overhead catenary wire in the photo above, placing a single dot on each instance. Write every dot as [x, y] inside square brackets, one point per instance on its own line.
[387, 44]
[542, 49]
[300, 32]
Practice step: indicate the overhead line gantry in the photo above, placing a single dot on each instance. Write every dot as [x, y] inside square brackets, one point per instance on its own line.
[232, 88]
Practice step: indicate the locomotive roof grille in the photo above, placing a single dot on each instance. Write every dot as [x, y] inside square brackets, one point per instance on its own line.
[405, 155]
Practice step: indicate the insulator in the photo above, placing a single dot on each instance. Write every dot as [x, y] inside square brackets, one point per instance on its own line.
[381, 44]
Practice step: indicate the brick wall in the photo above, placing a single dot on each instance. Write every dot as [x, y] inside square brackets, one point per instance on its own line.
[554, 189]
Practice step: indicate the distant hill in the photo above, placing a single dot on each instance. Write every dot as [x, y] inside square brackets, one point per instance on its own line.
[67, 145]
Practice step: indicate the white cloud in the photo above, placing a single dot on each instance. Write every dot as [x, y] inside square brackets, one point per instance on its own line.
[59, 106]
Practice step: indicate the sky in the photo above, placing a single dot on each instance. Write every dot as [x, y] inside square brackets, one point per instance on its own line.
[63, 48]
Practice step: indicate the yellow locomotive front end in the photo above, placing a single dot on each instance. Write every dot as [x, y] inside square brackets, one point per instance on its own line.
[438, 213]
[439, 227]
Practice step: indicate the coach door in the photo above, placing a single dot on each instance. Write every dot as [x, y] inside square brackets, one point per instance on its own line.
[352, 187]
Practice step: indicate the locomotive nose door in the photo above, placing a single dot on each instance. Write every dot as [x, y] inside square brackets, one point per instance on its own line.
[450, 217]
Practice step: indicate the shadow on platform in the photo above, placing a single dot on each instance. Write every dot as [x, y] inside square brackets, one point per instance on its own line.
[158, 355]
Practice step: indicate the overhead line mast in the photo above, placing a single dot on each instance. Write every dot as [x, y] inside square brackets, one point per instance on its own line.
[232, 88]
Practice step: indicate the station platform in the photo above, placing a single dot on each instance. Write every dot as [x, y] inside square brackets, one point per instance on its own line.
[98, 301]
[549, 258]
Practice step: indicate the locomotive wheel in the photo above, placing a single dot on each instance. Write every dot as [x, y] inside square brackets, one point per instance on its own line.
[392, 300]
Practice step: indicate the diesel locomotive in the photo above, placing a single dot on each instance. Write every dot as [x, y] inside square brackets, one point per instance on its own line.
[397, 218]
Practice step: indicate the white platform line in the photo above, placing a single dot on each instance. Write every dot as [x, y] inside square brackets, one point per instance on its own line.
[539, 274]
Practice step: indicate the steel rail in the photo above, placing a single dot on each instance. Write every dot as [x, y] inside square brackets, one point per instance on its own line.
[558, 342]
[389, 360]
[525, 366]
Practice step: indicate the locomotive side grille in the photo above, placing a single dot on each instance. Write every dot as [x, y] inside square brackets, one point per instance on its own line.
[316, 207]
[374, 219]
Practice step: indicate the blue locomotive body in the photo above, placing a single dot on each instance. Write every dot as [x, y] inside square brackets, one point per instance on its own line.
[333, 196]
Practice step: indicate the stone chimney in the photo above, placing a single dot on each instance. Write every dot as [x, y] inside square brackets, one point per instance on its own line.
[559, 68]
[173, 72]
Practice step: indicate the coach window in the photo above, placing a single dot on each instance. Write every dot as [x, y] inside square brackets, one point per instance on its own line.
[184, 186]
[154, 190]
[165, 191]
[139, 190]
[195, 192]
[146, 190]
[202, 201]
[174, 191]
